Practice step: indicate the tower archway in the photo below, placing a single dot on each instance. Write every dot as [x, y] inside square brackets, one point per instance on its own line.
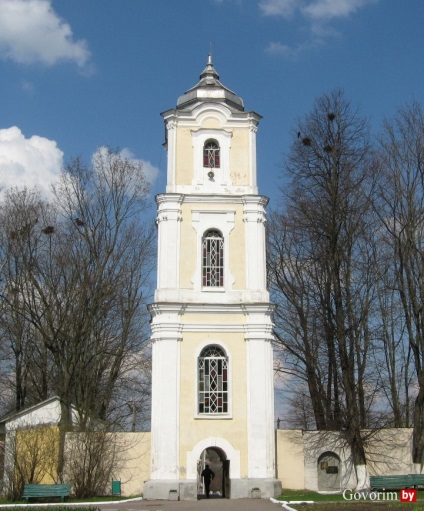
[217, 461]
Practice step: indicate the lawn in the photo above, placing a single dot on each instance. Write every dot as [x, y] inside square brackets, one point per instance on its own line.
[332, 502]
[71, 500]
[359, 506]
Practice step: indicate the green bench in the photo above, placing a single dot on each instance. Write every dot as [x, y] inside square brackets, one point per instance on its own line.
[46, 490]
[395, 482]
[417, 479]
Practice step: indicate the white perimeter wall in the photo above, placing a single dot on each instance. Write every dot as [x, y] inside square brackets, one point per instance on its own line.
[389, 451]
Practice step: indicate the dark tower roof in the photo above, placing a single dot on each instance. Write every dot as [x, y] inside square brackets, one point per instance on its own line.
[209, 89]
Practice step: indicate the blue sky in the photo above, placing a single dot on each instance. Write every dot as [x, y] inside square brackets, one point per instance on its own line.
[79, 74]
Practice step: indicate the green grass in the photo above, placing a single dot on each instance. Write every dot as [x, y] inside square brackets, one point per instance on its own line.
[360, 506]
[310, 495]
[332, 501]
[107, 498]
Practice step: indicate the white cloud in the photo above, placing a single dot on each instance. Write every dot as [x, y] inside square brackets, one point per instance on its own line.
[281, 49]
[150, 171]
[316, 13]
[27, 87]
[30, 32]
[312, 9]
[329, 9]
[292, 52]
[283, 8]
[34, 161]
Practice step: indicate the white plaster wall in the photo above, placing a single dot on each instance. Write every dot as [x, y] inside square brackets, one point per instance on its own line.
[315, 444]
[290, 459]
[394, 448]
[210, 121]
[44, 413]
[133, 466]
[389, 451]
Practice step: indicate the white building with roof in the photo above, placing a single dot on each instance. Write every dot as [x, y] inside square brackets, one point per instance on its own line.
[212, 388]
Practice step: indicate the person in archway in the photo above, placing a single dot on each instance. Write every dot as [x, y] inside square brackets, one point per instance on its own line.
[208, 476]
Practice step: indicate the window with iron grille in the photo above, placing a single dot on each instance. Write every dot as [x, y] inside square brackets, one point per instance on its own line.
[213, 381]
[211, 154]
[212, 259]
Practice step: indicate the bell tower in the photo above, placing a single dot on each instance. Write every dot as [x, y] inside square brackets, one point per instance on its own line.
[212, 381]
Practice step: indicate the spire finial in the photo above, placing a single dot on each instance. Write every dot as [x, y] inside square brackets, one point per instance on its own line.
[209, 70]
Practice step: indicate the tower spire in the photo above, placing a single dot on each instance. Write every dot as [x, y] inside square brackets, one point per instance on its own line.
[209, 71]
[209, 88]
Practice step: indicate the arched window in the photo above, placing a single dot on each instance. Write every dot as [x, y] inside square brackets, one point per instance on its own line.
[213, 380]
[212, 259]
[211, 154]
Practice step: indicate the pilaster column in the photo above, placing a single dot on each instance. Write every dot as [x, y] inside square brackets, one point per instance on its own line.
[260, 392]
[252, 149]
[255, 219]
[166, 337]
[171, 144]
[168, 222]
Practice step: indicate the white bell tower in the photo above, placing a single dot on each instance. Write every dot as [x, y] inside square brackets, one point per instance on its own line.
[212, 383]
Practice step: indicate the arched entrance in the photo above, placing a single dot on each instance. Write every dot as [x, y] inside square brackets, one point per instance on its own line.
[328, 472]
[218, 463]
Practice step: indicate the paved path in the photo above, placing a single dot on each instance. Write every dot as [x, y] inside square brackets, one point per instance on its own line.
[212, 504]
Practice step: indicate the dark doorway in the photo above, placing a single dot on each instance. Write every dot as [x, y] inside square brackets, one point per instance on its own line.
[218, 463]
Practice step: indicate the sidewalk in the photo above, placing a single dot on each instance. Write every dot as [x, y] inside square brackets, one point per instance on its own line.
[212, 504]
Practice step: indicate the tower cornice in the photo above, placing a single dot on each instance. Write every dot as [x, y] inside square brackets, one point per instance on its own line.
[187, 115]
[183, 198]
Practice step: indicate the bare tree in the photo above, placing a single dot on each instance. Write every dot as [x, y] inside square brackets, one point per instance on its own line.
[321, 267]
[91, 458]
[392, 354]
[25, 367]
[31, 458]
[83, 280]
[104, 211]
[401, 210]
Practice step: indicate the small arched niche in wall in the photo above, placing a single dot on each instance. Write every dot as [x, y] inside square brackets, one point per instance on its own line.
[328, 467]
